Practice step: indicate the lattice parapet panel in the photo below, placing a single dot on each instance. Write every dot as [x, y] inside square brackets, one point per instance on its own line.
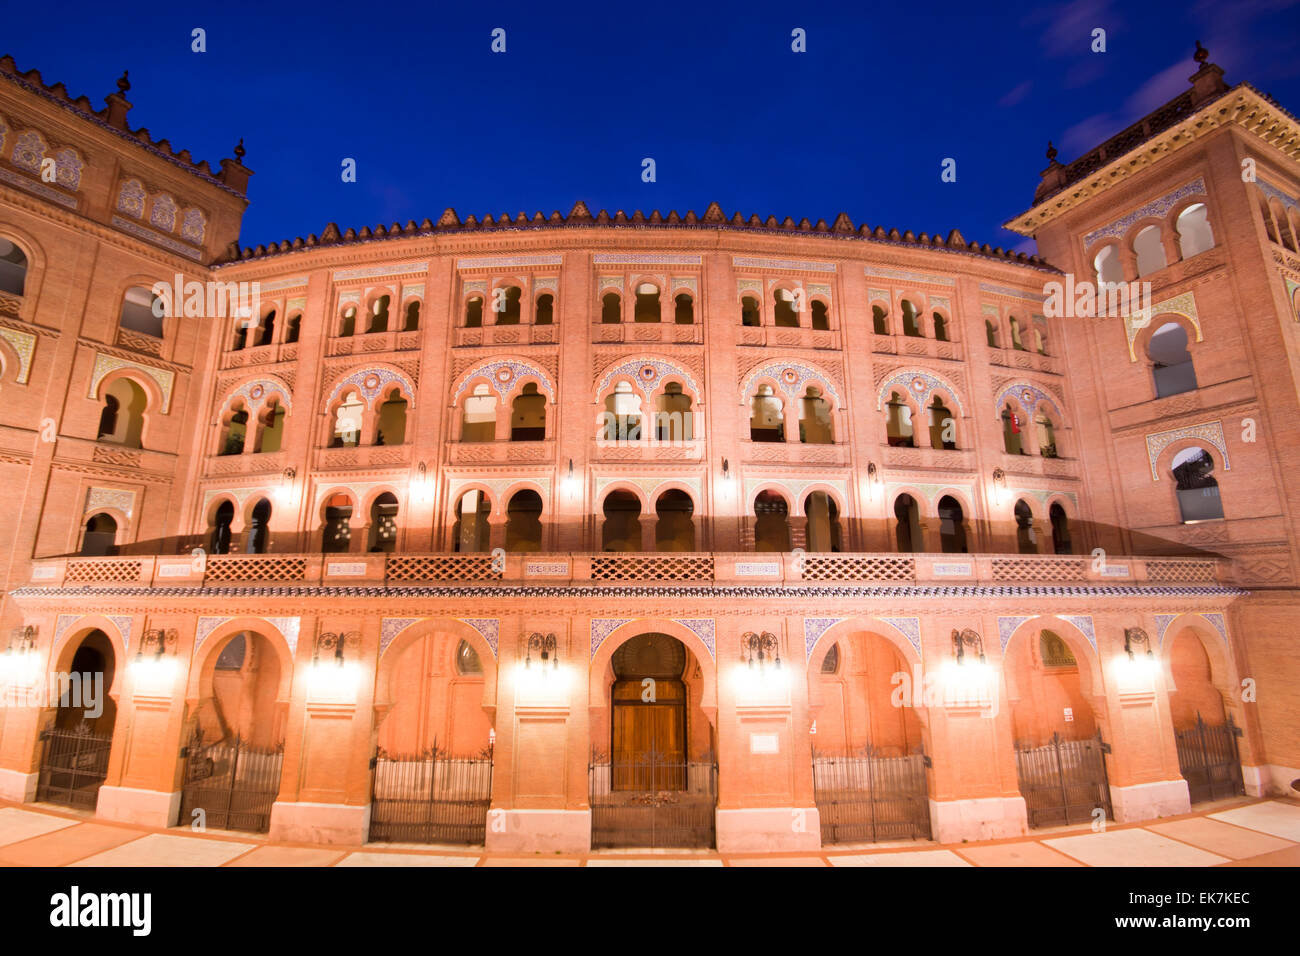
[652, 568]
[442, 568]
[852, 568]
[1186, 572]
[1038, 570]
[102, 572]
[255, 568]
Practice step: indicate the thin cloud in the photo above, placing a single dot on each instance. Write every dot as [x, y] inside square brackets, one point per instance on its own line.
[1012, 97]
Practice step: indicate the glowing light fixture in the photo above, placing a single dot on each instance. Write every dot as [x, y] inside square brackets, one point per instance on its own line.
[548, 648]
[761, 647]
[1135, 635]
[967, 638]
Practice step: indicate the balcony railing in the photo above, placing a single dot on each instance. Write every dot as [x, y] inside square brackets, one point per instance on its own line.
[623, 569]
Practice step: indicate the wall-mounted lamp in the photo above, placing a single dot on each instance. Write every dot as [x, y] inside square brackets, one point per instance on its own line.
[18, 664]
[1135, 635]
[289, 475]
[726, 470]
[760, 647]
[964, 638]
[999, 484]
[570, 483]
[422, 469]
[332, 643]
[158, 641]
[548, 648]
[22, 641]
[873, 479]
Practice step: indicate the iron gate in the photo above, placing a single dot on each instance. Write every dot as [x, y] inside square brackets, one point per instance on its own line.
[74, 764]
[1209, 761]
[233, 784]
[1064, 781]
[865, 797]
[652, 801]
[431, 798]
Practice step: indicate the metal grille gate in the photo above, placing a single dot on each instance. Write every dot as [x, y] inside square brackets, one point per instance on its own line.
[73, 766]
[233, 784]
[1064, 781]
[653, 801]
[864, 797]
[1209, 761]
[431, 798]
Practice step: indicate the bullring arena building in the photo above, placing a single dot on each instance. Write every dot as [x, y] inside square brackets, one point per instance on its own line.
[549, 532]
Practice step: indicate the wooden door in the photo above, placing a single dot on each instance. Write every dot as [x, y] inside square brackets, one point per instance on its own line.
[648, 748]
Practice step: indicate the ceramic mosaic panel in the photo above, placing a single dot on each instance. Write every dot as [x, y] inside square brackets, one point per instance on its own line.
[703, 628]
[508, 262]
[106, 364]
[163, 214]
[29, 150]
[371, 382]
[920, 385]
[130, 198]
[648, 374]
[781, 265]
[1157, 208]
[119, 499]
[792, 377]
[1211, 432]
[24, 343]
[922, 277]
[1184, 305]
[1029, 396]
[504, 376]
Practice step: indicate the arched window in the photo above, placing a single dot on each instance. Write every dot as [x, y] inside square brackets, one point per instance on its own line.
[259, 531]
[940, 327]
[100, 538]
[1171, 362]
[293, 329]
[348, 325]
[347, 422]
[1150, 250]
[474, 312]
[823, 528]
[1197, 490]
[646, 308]
[898, 422]
[673, 417]
[815, 424]
[412, 321]
[786, 317]
[611, 309]
[545, 314]
[138, 312]
[684, 309]
[1026, 543]
[952, 526]
[831, 662]
[13, 267]
[265, 330]
[750, 315]
[391, 428]
[879, 321]
[524, 522]
[528, 415]
[1046, 436]
[507, 305]
[911, 320]
[236, 435]
[121, 421]
[467, 660]
[622, 414]
[1054, 652]
[907, 527]
[1016, 341]
[1012, 436]
[766, 423]
[222, 518]
[674, 530]
[336, 536]
[622, 528]
[383, 524]
[991, 333]
[821, 319]
[1060, 530]
[471, 534]
[1107, 264]
[771, 522]
[479, 416]
[943, 427]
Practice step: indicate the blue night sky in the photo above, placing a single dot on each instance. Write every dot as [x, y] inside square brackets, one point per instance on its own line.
[859, 123]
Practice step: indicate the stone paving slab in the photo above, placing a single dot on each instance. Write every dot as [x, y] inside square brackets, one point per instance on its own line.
[165, 849]
[531, 861]
[1132, 847]
[363, 858]
[1274, 818]
[608, 862]
[1234, 842]
[289, 856]
[66, 845]
[778, 861]
[16, 824]
[906, 858]
[1030, 853]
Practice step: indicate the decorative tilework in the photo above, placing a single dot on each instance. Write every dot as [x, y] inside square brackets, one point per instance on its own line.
[130, 198]
[989, 309]
[748, 285]
[794, 487]
[1270, 190]
[62, 623]
[375, 272]
[4, 135]
[791, 376]
[703, 628]
[1184, 305]
[634, 258]
[193, 226]
[1029, 396]
[504, 376]
[920, 385]
[371, 382]
[610, 282]
[498, 486]
[909, 276]
[1162, 624]
[29, 150]
[106, 364]
[117, 498]
[1217, 621]
[1157, 208]
[258, 392]
[163, 213]
[650, 485]
[813, 629]
[819, 288]
[1013, 293]
[123, 624]
[1007, 626]
[648, 373]
[288, 626]
[547, 284]
[683, 282]
[205, 628]
[909, 627]
[882, 294]
[157, 238]
[416, 291]
[1044, 495]
[290, 283]
[940, 302]
[781, 265]
[24, 343]
[67, 169]
[1084, 623]
[489, 627]
[40, 189]
[1211, 432]
[602, 627]
[508, 262]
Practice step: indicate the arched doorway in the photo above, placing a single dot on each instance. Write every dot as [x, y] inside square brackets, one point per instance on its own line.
[235, 750]
[433, 765]
[656, 784]
[77, 742]
[869, 778]
[1204, 732]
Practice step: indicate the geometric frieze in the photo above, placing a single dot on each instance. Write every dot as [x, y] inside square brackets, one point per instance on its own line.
[1029, 396]
[649, 485]
[118, 498]
[370, 382]
[106, 364]
[794, 487]
[790, 377]
[503, 376]
[920, 384]
[781, 265]
[1211, 432]
[1155, 209]
[909, 276]
[24, 343]
[1183, 304]
[648, 373]
[375, 272]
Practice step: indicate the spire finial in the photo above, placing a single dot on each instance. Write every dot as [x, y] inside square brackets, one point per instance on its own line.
[1051, 152]
[240, 152]
[1201, 54]
[123, 84]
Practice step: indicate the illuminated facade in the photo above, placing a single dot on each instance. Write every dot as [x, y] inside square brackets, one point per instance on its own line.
[607, 530]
